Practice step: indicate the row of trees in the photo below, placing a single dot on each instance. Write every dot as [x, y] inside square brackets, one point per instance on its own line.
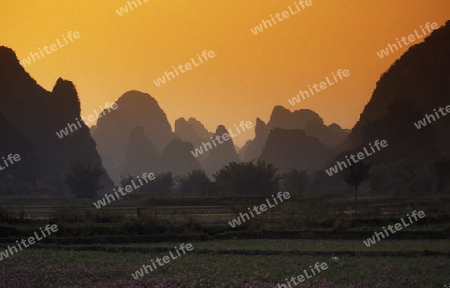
[401, 177]
[249, 178]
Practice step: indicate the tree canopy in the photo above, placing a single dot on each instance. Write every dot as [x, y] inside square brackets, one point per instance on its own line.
[247, 178]
[84, 179]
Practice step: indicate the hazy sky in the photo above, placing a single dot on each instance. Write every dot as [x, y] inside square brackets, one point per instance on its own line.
[249, 74]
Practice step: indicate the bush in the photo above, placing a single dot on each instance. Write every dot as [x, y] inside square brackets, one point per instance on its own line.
[78, 214]
[247, 178]
[340, 225]
[403, 177]
[84, 180]
[5, 216]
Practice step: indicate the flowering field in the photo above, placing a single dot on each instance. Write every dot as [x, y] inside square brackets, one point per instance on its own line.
[58, 268]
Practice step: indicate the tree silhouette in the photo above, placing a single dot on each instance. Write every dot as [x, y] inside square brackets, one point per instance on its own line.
[128, 180]
[442, 168]
[195, 183]
[247, 178]
[295, 181]
[356, 174]
[84, 180]
[161, 185]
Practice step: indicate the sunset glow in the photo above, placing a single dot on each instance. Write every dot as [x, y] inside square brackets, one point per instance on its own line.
[249, 74]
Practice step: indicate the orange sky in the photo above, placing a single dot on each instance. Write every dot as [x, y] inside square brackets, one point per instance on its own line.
[249, 74]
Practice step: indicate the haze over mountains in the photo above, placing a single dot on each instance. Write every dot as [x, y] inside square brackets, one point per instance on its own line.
[146, 125]
[138, 138]
[306, 120]
[112, 133]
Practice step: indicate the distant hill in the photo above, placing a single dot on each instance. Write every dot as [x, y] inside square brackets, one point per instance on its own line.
[141, 155]
[222, 154]
[112, 133]
[292, 148]
[35, 115]
[253, 148]
[178, 159]
[194, 132]
[307, 120]
[413, 86]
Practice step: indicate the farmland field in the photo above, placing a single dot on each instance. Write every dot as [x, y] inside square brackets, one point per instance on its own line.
[206, 268]
[103, 247]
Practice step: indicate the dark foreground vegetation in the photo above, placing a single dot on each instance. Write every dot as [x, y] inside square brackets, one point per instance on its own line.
[238, 268]
[143, 219]
[102, 247]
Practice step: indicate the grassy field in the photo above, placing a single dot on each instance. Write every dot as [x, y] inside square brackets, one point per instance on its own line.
[206, 267]
[277, 246]
[82, 253]
[221, 210]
